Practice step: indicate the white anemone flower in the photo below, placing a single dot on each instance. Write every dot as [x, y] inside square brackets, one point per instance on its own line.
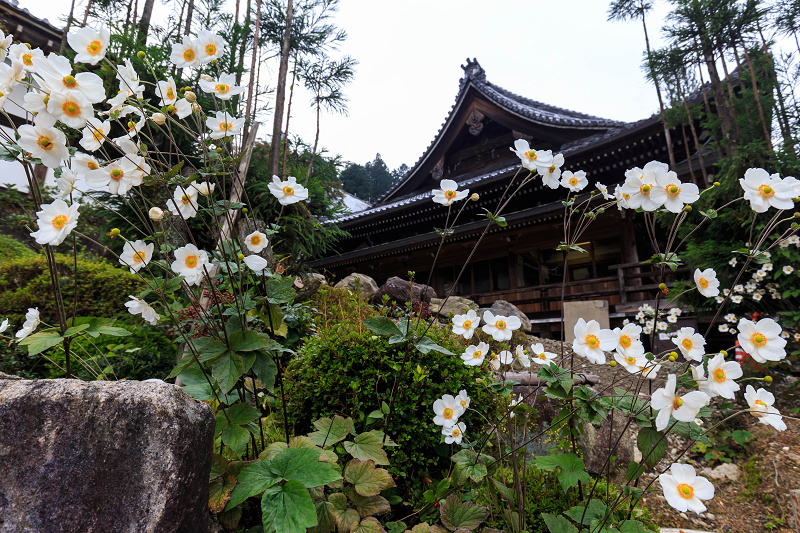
[529, 157]
[721, 376]
[514, 402]
[631, 363]
[90, 45]
[256, 263]
[43, 141]
[118, 176]
[185, 54]
[223, 88]
[204, 188]
[155, 213]
[70, 107]
[190, 263]
[787, 270]
[24, 55]
[256, 242]
[447, 410]
[463, 400]
[182, 109]
[522, 357]
[466, 324]
[628, 342]
[66, 183]
[763, 190]
[691, 344]
[649, 370]
[5, 43]
[604, 191]
[641, 186]
[56, 71]
[94, 134]
[30, 324]
[684, 489]
[540, 355]
[222, 125]
[11, 75]
[287, 192]
[448, 193]
[676, 194]
[707, 282]
[506, 357]
[474, 355]
[184, 202]
[4, 326]
[56, 221]
[167, 91]
[551, 172]
[500, 327]
[591, 341]
[209, 46]
[454, 433]
[683, 408]
[129, 79]
[84, 163]
[762, 339]
[575, 182]
[761, 407]
[494, 361]
[136, 255]
[137, 306]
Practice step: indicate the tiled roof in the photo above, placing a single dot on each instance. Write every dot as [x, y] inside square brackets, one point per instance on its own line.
[15, 4]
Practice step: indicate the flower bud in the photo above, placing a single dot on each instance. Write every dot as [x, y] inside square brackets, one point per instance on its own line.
[159, 118]
[155, 213]
[723, 353]
[612, 363]
[241, 257]
[649, 356]
[662, 286]
[672, 358]
[170, 108]
[687, 208]
[244, 210]
[716, 184]
[673, 354]
[475, 197]
[768, 379]
[190, 97]
[140, 54]
[196, 107]
[795, 225]
[219, 150]
[114, 232]
[206, 77]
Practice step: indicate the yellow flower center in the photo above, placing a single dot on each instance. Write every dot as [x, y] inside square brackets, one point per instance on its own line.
[551, 169]
[184, 199]
[673, 190]
[625, 341]
[98, 135]
[467, 324]
[766, 191]
[225, 126]
[542, 356]
[703, 283]
[94, 47]
[464, 404]
[686, 491]
[758, 339]
[449, 194]
[456, 432]
[477, 354]
[190, 261]
[687, 343]
[626, 196]
[630, 360]
[170, 93]
[117, 174]
[645, 189]
[188, 54]
[592, 341]
[222, 88]
[71, 108]
[26, 59]
[573, 181]
[60, 221]
[211, 49]
[719, 375]
[676, 403]
[69, 82]
[447, 413]
[255, 240]
[91, 165]
[500, 324]
[288, 190]
[531, 155]
[45, 143]
[759, 402]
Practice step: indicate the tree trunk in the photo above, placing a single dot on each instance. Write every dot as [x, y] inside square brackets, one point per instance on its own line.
[288, 117]
[66, 29]
[243, 45]
[313, 150]
[189, 15]
[706, 103]
[727, 121]
[693, 130]
[236, 13]
[144, 23]
[667, 136]
[280, 95]
[86, 13]
[250, 89]
[688, 154]
[760, 109]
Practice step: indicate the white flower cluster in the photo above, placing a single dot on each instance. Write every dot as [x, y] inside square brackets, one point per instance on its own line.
[447, 411]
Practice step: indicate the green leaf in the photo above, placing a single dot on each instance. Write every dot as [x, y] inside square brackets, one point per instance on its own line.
[596, 510]
[366, 479]
[75, 329]
[39, 342]
[382, 325]
[173, 171]
[303, 465]
[426, 344]
[249, 341]
[236, 437]
[242, 413]
[652, 444]
[279, 289]
[456, 514]
[635, 470]
[466, 467]
[219, 492]
[365, 447]
[326, 519]
[330, 431]
[572, 468]
[99, 326]
[369, 525]
[265, 369]
[632, 526]
[218, 465]
[227, 370]
[368, 505]
[558, 524]
[288, 508]
[253, 480]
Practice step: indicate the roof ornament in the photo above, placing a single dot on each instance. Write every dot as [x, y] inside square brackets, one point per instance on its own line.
[473, 69]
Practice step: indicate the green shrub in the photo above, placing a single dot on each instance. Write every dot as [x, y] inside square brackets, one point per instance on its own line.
[102, 288]
[347, 370]
[11, 249]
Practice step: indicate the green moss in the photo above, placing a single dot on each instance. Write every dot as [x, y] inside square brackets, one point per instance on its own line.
[11, 249]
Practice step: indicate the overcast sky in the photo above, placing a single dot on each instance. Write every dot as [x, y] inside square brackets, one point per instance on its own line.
[561, 52]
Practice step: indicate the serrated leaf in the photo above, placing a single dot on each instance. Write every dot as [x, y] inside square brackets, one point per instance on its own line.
[368, 506]
[252, 481]
[382, 325]
[330, 431]
[632, 526]
[39, 342]
[365, 447]
[265, 370]
[236, 437]
[288, 508]
[366, 479]
[426, 344]
[346, 520]
[279, 289]
[241, 413]
[303, 465]
[250, 341]
[466, 467]
[227, 370]
[635, 470]
[218, 466]
[75, 330]
[652, 444]
[558, 524]
[369, 525]
[219, 492]
[595, 511]
[456, 514]
[326, 520]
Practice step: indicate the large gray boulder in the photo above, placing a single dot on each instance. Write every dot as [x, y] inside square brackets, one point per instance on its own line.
[502, 307]
[366, 284]
[401, 291]
[608, 439]
[455, 305]
[121, 456]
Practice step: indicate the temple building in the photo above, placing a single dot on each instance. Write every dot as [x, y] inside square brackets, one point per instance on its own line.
[519, 262]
